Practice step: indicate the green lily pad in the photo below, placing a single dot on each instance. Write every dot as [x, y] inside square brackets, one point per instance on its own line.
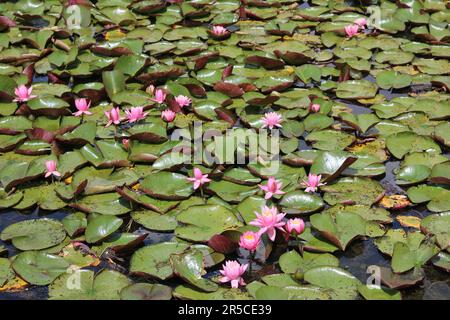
[101, 226]
[34, 234]
[296, 202]
[353, 191]
[146, 291]
[83, 285]
[154, 260]
[438, 198]
[292, 261]
[167, 185]
[189, 266]
[39, 268]
[201, 222]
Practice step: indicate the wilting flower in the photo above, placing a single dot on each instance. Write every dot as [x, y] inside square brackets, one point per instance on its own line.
[272, 187]
[268, 221]
[82, 106]
[271, 120]
[219, 31]
[361, 22]
[160, 96]
[23, 93]
[351, 30]
[168, 115]
[113, 116]
[312, 183]
[296, 225]
[232, 272]
[314, 107]
[199, 178]
[126, 143]
[50, 166]
[135, 114]
[249, 240]
[183, 101]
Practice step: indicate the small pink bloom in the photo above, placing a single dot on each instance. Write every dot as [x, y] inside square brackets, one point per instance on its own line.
[23, 93]
[272, 187]
[160, 96]
[249, 240]
[199, 178]
[183, 101]
[296, 225]
[168, 115]
[126, 143]
[313, 182]
[151, 89]
[135, 114]
[271, 120]
[82, 106]
[269, 220]
[351, 30]
[361, 22]
[113, 116]
[219, 31]
[232, 272]
[50, 166]
[315, 107]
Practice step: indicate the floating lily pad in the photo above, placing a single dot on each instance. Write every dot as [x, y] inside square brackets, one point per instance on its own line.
[34, 234]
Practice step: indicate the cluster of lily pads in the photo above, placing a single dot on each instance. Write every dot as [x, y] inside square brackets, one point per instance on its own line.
[359, 93]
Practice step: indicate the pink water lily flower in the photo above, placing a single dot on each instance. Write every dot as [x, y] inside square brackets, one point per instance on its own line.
[23, 93]
[168, 115]
[269, 220]
[199, 178]
[219, 31]
[273, 187]
[249, 240]
[232, 271]
[351, 30]
[271, 120]
[160, 96]
[82, 106]
[135, 114]
[183, 101]
[361, 22]
[113, 116]
[126, 143]
[50, 166]
[315, 107]
[296, 225]
[313, 182]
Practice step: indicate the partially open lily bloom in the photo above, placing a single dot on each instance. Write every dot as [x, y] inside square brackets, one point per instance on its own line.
[269, 220]
[273, 187]
[82, 106]
[23, 93]
[199, 178]
[183, 101]
[135, 114]
[219, 31]
[113, 116]
[168, 115]
[314, 107]
[313, 182]
[296, 226]
[50, 166]
[249, 240]
[151, 89]
[351, 30]
[361, 22]
[160, 96]
[271, 120]
[126, 143]
[232, 271]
